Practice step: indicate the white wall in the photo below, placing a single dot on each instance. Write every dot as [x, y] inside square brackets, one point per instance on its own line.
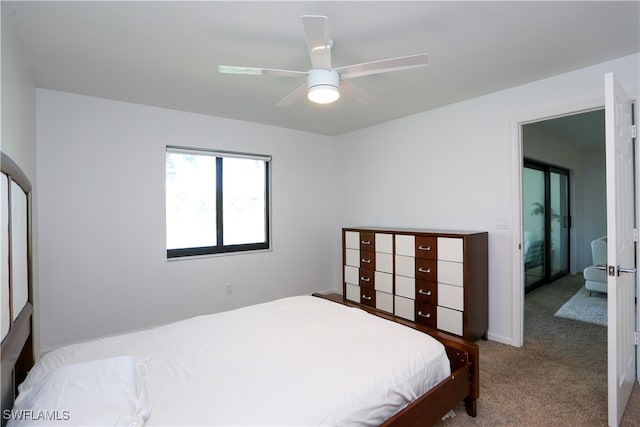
[453, 168]
[594, 200]
[18, 99]
[103, 263]
[18, 123]
[101, 182]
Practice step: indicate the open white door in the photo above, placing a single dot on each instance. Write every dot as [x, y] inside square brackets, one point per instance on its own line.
[620, 248]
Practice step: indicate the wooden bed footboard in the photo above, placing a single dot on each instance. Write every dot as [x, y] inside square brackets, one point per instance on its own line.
[429, 408]
[462, 385]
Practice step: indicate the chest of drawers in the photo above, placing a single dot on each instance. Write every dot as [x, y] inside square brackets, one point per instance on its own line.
[436, 278]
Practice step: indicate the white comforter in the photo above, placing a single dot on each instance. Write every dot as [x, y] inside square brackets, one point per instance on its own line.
[296, 361]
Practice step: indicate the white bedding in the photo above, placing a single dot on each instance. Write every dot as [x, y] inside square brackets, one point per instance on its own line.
[296, 361]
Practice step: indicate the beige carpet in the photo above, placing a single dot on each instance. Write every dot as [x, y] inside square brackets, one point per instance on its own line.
[558, 378]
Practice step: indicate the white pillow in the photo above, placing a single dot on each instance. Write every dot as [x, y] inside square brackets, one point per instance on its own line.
[101, 392]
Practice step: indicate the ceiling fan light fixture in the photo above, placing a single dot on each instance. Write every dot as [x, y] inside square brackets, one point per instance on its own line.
[324, 81]
[322, 86]
[323, 94]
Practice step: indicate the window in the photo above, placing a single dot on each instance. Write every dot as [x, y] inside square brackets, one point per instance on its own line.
[216, 202]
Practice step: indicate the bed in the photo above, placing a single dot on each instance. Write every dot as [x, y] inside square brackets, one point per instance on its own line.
[16, 299]
[305, 360]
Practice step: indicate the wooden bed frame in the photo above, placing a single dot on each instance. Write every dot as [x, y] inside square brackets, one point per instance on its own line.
[17, 345]
[462, 385]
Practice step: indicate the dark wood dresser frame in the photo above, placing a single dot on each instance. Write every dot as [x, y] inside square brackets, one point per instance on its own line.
[17, 346]
[462, 385]
[476, 275]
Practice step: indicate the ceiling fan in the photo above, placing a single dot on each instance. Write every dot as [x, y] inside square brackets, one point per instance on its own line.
[324, 83]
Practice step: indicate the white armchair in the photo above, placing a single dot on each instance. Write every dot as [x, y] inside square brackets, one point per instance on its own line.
[596, 280]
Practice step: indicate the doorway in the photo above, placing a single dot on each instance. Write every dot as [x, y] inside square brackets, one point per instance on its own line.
[547, 223]
[593, 204]
[568, 147]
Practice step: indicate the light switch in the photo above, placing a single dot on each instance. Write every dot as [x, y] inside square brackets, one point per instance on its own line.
[502, 222]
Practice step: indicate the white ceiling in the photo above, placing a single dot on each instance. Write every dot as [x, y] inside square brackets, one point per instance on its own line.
[166, 53]
[585, 130]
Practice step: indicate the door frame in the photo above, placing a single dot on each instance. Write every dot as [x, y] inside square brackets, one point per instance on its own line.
[517, 235]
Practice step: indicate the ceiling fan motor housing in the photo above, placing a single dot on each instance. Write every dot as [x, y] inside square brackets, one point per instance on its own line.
[323, 85]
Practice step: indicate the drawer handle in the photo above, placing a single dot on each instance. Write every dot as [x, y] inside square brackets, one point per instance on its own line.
[365, 279]
[366, 242]
[366, 260]
[422, 270]
[424, 248]
[425, 315]
[423, 292]
[367, 297]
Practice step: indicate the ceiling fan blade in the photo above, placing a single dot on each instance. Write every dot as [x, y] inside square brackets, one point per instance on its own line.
[250, 71]
[356, 92]
[318, 43]
[293, 96]
[382, 66]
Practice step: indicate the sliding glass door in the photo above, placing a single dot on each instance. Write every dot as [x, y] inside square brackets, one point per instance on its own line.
[559, 224]
[534, 227]
[547, 223]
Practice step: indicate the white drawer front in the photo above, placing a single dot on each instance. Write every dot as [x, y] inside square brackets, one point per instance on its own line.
[451, 273]
[351, 275]
[406, 287]
[451, 296]
[353, 293]
[405, 266]
[384, 282]
[384, 302]
[384, 262]
[352, 239]
[450, 320]
[450, 249]
[405, 308]
[384, 243]
[405, 245]
[352, 257]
